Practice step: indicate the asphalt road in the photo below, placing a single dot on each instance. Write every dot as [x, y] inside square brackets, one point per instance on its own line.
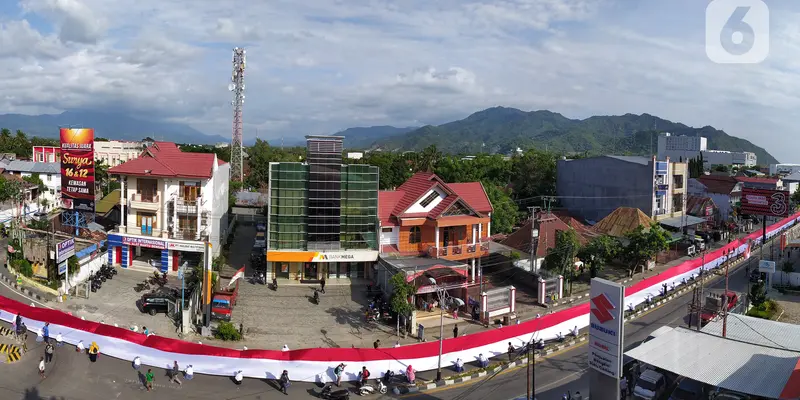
[565, 371]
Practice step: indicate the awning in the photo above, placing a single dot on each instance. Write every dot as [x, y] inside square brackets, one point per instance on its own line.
[742, 367]
[679, 222]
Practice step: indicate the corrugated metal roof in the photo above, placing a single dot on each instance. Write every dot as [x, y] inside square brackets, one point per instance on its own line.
[33, 167]
[729, 364]
[621, 221]
[633, 159]
[758, 331]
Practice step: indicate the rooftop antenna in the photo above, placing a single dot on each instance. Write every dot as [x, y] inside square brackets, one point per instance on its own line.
[237, 87]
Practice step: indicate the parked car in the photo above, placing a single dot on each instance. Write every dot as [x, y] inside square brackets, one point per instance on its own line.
[157, 302]
[690, 389]
[756, 275]
[650, 385]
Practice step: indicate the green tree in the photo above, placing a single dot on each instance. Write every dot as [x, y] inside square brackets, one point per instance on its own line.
[401, 292]
[599, 251]
[533, 176]
[757, 294]
[428, 159]
[394, 168]
[561, 258]
[644, 244]
[73, 265]
[506, 213]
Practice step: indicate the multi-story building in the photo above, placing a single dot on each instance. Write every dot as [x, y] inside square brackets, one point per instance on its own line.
[724, 191]
[427, 217]
[48, 172]
[684, 148]
[173, 202]
[592, 188]
[783, 169]
[110, 152]
[322, 215]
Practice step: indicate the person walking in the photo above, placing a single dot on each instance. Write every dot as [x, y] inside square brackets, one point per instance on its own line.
[48, 352]
[376, 344]
[46, 332]
[510, 351]
[41, 368]
[322, 284]
[284, 381]
[338, 371]
[148, 379]
[455, 331]
[175, 373]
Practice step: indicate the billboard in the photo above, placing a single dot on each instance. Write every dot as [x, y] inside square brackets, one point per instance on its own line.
[606, 321]
[765, 202]
[65, 250]
[77, 169]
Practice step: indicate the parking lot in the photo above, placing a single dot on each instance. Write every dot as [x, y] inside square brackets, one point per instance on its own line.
[115, 303]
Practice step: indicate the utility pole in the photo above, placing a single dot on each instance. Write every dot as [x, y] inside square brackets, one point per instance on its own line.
[534, 237]
[529, 383]
[725, 299]
[700, 295]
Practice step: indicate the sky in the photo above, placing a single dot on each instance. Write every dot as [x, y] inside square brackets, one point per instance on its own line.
[318, 67]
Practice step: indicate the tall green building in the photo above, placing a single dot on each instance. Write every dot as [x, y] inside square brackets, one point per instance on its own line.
[322, 215]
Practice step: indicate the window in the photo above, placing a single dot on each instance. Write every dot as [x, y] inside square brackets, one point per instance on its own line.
[415, 235]
[146, 217]
[386, 230]
[429, 199]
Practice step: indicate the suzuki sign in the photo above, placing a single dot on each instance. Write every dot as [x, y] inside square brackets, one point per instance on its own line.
[606, 322]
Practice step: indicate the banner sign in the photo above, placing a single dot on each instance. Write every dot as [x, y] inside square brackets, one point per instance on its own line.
[77, 169]
[144, 242]
[606, 327]
[765, 202]
[65, 250]
[62, 268]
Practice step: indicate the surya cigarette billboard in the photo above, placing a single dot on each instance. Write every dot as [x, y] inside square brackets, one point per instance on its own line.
[77, 169]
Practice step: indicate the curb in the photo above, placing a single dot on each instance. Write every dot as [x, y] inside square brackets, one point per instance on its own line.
[24, 290]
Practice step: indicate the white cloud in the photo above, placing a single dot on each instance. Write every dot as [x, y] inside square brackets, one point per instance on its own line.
[318, 66]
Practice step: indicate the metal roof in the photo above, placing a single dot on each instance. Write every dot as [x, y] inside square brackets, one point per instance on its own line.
[33, 167]
[633, 159]
[680, 222]
[758, 331]
[729, 364]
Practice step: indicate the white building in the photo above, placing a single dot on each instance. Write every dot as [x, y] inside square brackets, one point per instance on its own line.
[172, 202]
[48, 172]
[116, 152]
[684, 148]
[783, 169]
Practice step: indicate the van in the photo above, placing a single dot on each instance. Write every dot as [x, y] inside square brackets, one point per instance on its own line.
[261, 240]
[650, 385]
[690, 389]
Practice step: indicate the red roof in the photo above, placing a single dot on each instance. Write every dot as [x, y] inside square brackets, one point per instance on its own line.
[548, 226]
[394, 204]
[718, 184]
[165, 159]
[757, 179]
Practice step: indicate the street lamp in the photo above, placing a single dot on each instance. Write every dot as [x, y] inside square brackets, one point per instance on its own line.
[442, 294]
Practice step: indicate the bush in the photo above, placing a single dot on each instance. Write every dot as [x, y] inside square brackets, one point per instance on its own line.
[765, 310]
[24, 267]
[226, 331]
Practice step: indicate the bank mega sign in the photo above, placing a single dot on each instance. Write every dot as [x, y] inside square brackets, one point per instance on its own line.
[345, 256]
[606, 323]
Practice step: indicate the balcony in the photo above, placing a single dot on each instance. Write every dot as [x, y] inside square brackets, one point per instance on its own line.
[187, 206]
[145, 202]
[189, 234]
[460, 252]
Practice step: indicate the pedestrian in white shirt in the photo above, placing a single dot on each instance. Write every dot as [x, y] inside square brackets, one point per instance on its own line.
[285, 348]
[41, 367]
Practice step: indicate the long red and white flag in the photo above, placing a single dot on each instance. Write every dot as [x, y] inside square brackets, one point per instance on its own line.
[237, 275]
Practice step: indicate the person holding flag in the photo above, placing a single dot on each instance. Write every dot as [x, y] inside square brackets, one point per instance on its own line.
[237, 275]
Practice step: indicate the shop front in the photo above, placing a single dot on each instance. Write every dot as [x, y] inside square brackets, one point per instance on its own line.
[164, 254]
[311, 266]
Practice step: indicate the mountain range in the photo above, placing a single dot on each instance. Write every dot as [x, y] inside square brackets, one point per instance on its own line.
[114, 126]
[502, 129]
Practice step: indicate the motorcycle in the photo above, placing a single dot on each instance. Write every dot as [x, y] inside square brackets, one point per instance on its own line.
[367, 389]
[159, 280]
[327, 393]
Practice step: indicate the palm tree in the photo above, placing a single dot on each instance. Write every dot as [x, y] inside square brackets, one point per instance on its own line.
[428, 159]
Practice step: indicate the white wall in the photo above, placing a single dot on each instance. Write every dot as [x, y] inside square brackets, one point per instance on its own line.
[392, 237]
[417, 208]
[88, 266]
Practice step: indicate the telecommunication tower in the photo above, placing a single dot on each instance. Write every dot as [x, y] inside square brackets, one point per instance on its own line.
[237, 87]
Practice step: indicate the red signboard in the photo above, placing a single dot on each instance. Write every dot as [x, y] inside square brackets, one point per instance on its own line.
[77, 169]
[766, 202]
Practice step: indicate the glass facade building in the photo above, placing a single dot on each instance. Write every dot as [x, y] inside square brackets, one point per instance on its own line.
[322, 214]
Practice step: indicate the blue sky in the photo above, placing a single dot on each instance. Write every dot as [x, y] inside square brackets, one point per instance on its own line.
[321, 66]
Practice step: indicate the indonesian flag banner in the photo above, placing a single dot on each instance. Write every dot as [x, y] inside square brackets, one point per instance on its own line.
[237, 275]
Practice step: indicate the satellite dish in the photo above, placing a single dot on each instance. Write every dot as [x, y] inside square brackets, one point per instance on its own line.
[231, 87]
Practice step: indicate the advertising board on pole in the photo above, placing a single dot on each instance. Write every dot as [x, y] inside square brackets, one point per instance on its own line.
[606, 333]
[77, 169]
[65, 250]
[765, 202]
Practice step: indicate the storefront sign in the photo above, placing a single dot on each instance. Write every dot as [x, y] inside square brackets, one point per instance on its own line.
[144, 242]
[77, 169]
[62, 268]
[351, 256]
[65, 250]
[606, 327]
[181, 246]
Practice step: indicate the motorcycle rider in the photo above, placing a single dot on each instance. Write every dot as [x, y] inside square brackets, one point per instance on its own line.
[364, 375]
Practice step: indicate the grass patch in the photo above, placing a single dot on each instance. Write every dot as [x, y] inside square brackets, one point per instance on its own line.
[765, 310]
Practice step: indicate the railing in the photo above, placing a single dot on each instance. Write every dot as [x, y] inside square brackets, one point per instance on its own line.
[459, 251]
[138, 197]
[189, 234]
[188, 206]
